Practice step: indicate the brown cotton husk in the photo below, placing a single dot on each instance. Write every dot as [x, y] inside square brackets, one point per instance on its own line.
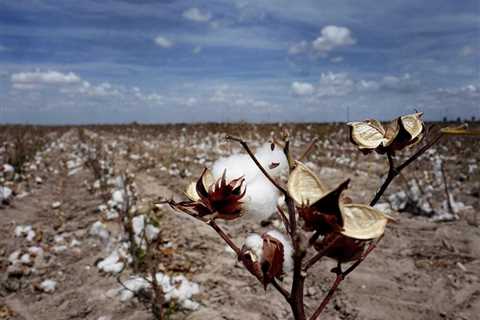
[251, 262]
[325, 215]
[319, 207]
[221, 198]
[408, 131]
[272, 260]
[343, 249]
[370, 135]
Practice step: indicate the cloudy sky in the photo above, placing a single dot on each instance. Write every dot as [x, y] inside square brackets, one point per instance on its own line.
[237, 60]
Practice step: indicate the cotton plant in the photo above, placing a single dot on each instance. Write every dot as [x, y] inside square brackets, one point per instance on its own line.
[319, 220]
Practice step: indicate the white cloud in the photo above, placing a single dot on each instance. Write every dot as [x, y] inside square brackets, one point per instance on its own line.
[190, 102]
[341, 84]
[333, 37]
[227, 96]
[195, 14]
[39, 78]
[163, 42]
[336, 59]
[403, 83]
[335, 84]
[368, 85]
[298, 48]
[470, 90]
[467, 51]
[302, 88]
[197, 50]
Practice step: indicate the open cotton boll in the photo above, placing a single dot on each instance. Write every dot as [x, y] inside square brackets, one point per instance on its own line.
[138, 224]
[261, 198]
[133, 285]
[111, 264]
[99, 229]
[5, 193]
[266, 157]
[287, 249]
[237, 165]
[48, 285]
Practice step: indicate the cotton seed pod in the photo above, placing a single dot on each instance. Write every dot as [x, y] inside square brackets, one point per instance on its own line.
[319, 207]
[367, 135]
[268, 256]
[371, 135]
[405, 131]
[324, 210]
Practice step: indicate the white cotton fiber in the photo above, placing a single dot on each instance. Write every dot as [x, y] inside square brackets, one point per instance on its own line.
[267, 157]
[111, 264]
[133, 285]
[99, 229]
[177, 288]
[254, 243]
[5, 193]
[48, 285]
[237, 165]
[287, 249]
[261, 198]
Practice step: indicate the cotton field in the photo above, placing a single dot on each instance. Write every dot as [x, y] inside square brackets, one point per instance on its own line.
[86, 231]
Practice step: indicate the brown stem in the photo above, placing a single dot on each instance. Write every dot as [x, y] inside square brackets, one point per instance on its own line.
[224, 236]
[284, 218]
[296, 301]
[370, 248]
[447, 192]
[286, 150]
[308, 150]
[259, 165]
[281, 289]
[327, 298]
[394, 171]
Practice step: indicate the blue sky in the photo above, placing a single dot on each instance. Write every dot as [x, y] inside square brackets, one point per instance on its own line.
[237, 60]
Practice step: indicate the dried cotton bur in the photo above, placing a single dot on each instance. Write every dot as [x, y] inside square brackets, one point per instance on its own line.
[320, 220]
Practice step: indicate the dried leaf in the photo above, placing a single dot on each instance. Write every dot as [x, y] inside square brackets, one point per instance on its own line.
[304, 186]
[413, 124]
[368, 134]
[191, 192]
[363, 222]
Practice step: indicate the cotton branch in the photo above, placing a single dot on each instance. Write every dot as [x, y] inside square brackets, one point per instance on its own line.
[394, 171]
[296, 294]
[311, 146]
[224, 236]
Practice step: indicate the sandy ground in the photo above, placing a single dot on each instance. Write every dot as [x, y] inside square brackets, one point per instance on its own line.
[421, 270]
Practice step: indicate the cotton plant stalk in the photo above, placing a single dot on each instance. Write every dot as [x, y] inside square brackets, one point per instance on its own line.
[319, 220]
